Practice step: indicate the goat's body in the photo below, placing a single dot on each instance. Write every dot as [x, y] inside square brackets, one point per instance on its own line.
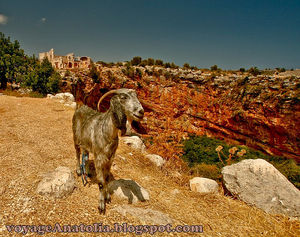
[97, 133]
[94, 133]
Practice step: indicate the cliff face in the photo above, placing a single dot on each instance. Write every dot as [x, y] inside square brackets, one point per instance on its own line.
[261, 112]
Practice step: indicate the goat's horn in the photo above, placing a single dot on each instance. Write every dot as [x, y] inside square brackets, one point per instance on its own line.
[102, 98]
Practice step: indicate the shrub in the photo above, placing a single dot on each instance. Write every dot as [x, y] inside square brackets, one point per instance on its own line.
[138, 72]
[206, 171]
[254, 71]
[136, 61]
[186, 66]
[150, 61]
[214, 68]
[159, 62]
[94, 74]
[199, 150]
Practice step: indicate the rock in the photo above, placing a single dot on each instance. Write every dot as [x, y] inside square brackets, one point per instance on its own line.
[135, 142]
[203, 185]
[129, 190]
[72, 105]
[147, 215]
[58, 183]
[259, 183]
[156, 159]
[64, 97]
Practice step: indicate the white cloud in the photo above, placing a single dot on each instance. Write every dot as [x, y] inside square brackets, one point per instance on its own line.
[43, 20]
[3, 19]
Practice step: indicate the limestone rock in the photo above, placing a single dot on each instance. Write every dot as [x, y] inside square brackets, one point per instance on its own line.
[259, 183]
[129, 190]
[156, 159]
[135, 142]
[147, 215]
[63, 97]
[58, 183]
[203, 185]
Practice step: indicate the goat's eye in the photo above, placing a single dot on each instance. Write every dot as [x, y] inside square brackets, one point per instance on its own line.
[124, 96]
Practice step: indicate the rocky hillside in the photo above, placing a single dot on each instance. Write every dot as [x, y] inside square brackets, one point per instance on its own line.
[261, 112]
[36, 138]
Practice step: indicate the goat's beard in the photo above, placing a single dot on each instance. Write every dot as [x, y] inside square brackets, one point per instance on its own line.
[138, 127]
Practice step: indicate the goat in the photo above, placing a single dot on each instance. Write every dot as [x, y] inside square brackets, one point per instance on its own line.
[97, 133]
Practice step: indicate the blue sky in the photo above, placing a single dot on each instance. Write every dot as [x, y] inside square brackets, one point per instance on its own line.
[229, 33]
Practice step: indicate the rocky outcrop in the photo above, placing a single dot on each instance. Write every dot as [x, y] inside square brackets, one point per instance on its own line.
[233, 106]
[203, 185]
[58, 183]
[259, 183]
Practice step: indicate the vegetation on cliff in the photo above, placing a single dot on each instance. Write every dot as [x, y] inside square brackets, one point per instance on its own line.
[207, 156]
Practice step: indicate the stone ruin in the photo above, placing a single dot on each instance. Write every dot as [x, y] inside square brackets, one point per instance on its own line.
[68, 61]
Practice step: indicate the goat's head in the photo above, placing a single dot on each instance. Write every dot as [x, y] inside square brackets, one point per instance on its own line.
[125, 102]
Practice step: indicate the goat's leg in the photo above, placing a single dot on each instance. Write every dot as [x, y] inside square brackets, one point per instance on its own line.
[102, 206]
[109, 178]
[100, 161]
[78, 169]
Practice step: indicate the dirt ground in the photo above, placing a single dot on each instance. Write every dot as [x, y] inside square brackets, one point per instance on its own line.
[36, 137]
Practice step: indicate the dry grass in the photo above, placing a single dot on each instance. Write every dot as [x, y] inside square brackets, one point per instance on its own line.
[36, 137]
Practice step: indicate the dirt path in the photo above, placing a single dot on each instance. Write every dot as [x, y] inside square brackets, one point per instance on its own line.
[36, 137]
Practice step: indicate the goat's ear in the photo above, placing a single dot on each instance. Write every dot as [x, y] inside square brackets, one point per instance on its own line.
[119, 117]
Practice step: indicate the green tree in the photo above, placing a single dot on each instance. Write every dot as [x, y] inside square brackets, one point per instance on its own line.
[136, 61]
[254, 71]
[150, 61]
[42, 78]
[167, 65]
[214, 68]
[186, 66]
[159, 62]
[173, 65]
[12, 60]
[242, 69]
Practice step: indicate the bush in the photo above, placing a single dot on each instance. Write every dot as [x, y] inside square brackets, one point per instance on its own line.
[206, 171]
[200, 150]
[150, 61]
[186, 66]
[42, 79]
[254, 71]
[136, 61]
[53, 84]
[159, 62]
[214, 68]
[94, 74]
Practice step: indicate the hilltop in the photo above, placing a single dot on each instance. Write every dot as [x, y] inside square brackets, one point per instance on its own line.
[36, 138]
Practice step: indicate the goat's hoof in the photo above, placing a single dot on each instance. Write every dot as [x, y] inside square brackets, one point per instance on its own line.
[101, 210]
[78, 172]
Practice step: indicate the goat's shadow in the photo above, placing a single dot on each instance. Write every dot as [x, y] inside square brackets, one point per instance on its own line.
[129, 188]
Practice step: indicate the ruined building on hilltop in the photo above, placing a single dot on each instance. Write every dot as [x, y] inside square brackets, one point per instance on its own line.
[66, 62]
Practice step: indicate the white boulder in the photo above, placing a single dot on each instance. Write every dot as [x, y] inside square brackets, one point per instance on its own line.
[203, 185]
[259, 183]
[58, 183]
[156, 159]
